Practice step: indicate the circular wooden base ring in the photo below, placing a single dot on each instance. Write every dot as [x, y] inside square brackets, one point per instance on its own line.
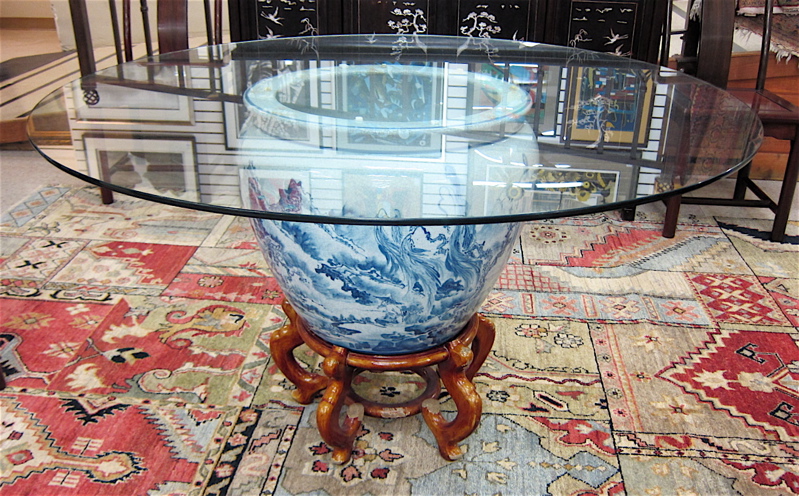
[406, 408]
[432, 356]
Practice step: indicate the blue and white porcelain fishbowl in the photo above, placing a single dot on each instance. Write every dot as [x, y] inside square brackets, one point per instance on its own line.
[432, 149]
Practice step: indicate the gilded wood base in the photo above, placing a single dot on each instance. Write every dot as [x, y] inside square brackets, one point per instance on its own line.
[457, 363]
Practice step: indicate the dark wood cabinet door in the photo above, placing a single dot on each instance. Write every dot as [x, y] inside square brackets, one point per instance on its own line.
[388, 16]
[630, 28]
[508, 19]
[262, 19]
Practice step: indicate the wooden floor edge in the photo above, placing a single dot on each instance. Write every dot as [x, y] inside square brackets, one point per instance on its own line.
[27, 23]
[14, 130]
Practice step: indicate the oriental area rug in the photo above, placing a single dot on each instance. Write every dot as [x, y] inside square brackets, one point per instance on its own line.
[135, 342]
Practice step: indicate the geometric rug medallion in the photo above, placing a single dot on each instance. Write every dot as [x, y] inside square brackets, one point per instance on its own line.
[64, 446]
[752, 375]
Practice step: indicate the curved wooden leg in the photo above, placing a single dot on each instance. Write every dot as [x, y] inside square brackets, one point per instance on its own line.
[470, 406]
[481, 346]
[282, 345]
[337, 436]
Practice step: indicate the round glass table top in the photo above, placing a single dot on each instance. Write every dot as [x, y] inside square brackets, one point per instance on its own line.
[394, 130]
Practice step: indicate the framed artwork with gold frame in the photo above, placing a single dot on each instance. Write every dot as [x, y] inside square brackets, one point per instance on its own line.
[606, 105]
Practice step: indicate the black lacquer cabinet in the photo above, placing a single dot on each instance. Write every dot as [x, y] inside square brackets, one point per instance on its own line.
[627, 27]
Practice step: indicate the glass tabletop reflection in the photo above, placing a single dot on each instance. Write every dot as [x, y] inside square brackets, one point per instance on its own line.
[395, 130]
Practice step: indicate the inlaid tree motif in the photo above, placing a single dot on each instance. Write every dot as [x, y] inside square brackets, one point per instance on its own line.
[410, 21]
[481, 25]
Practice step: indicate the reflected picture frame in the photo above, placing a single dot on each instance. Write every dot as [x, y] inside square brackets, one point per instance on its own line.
[111, 102]
[163, 166]
[605, 99]
[573, 187]
[241, 133]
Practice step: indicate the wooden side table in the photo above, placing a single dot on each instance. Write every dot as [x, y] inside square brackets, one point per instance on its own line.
[457, 363]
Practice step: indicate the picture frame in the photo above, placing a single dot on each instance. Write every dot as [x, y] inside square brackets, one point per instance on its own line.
[108, 102]
[604, 98]
[564, 188]
[163, 166]
[518, 189]
[242, 132]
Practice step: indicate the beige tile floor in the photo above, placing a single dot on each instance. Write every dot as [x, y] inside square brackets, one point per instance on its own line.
[23, 171]
[21, 41]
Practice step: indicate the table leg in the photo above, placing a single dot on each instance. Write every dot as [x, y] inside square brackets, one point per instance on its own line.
[463, 393]
[282, 344]
[339, 436]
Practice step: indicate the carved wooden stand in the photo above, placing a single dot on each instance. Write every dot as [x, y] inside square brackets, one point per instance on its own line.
[458, 361]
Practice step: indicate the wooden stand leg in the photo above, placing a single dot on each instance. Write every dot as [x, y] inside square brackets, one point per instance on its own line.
[457, 363]
[282, 344]
[481, 346]
[470, 406]
[337, 436]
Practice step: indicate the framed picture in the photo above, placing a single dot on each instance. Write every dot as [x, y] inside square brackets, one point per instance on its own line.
[606, 105]
[157, 165]
[498, 190]
[245, 130]
[517, 189]
[108, 102]
[555, 188]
